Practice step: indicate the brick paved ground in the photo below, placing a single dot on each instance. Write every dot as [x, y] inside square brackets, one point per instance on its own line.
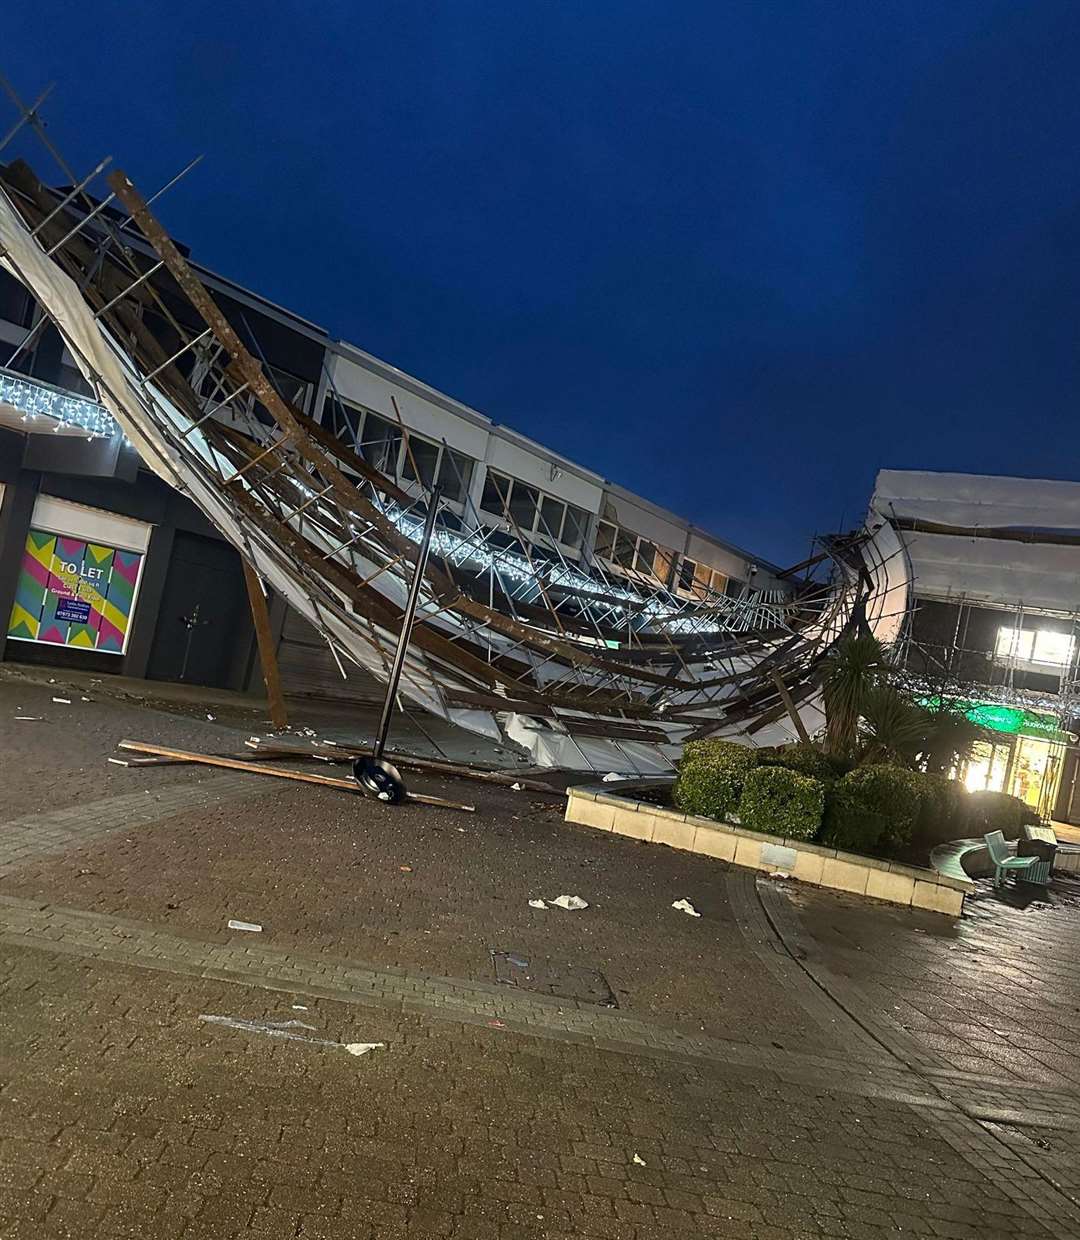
[793, 1064]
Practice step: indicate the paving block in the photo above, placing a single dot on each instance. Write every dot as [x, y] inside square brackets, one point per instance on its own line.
[676, 832]
[938, 899]
[886, 885]
[748, 853]
[711, 842]
[844, 875]
[590, 813]
[636, 824]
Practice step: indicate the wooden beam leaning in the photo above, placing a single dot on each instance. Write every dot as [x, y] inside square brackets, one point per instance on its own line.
[260, 615]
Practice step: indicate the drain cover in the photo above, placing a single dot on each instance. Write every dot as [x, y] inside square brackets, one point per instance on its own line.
[561, 981]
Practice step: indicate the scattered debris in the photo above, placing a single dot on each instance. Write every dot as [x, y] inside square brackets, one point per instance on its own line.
[86, 699]
[779, 874]
[570, 902]
[299, 1007]
[405, 869]
[253, 926]
[284, 1029]
[639, 1161]
[62, 701]
[30, 718]
[684, 906]
[516, 787]
[537, 904]
[611, 778]
[245, 764]
[210, 717]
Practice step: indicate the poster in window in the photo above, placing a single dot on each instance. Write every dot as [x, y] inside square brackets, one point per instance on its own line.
[74, 593]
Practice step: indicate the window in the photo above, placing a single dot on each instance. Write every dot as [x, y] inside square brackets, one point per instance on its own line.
[719, 582]
[523, 502]
[605, 540]
[1034, 646]
[552, 512]
[645, 561]
[455, 474]
[625, 548]
[380, 443]
[687, 569]
[496, 495]
[573, 532]
[424, 457]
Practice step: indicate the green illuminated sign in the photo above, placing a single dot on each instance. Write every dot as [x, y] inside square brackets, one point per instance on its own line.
[1012, 720]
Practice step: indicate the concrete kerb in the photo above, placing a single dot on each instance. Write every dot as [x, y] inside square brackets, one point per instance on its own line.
[891, 881]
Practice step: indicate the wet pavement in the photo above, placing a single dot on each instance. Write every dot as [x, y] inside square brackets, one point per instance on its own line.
[794, 1063]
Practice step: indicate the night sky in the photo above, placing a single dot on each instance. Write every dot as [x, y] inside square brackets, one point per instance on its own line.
[733, 256]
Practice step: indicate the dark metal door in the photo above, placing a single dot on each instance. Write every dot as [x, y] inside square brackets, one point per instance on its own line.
[203, 615]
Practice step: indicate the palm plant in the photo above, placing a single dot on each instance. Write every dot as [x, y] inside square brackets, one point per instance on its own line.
[892, 727]
[853, 667]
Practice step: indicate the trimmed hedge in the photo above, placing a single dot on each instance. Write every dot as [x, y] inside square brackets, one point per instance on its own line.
[711, 777]
[997, 811]
[779, 801]
[807, 760]
[872, 807]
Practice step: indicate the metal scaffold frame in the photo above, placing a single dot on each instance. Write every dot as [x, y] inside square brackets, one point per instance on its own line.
[512, 638]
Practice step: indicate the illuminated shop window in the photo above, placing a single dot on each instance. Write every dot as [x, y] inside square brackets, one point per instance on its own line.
[1034, 646]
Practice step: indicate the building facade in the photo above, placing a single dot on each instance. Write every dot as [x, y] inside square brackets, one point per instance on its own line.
[995, 622]
[104, 567]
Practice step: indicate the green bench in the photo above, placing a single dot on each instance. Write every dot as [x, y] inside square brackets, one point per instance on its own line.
[1030, 869]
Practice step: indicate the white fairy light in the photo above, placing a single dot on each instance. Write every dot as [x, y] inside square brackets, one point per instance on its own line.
[34, 400]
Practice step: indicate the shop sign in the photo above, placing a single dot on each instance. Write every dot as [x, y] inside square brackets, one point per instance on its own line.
[1012, 720]
[75, 593]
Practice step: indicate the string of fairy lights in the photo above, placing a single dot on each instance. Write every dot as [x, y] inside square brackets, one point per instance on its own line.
[33, 400]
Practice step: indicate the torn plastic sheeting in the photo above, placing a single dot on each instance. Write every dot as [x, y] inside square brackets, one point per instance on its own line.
[684, 906]
[570, 902]
[537, 904]
[284, 1029]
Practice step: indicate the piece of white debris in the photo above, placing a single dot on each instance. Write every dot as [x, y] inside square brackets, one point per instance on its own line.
[570, 902]
[210, 717]
[299, 1007]
[284, 1029]
[639, 1161]
[62, 701]
[611, 778]
[779, 874]
[86, 699]
[537, 904]
[684, 906]
[515, 787]
[30, 718]
[253, 926]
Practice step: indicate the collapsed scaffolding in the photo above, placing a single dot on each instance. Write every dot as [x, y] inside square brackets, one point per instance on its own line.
[583, 668]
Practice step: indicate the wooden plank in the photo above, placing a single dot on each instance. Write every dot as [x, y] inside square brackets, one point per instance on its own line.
[267, 654]
[238, 764]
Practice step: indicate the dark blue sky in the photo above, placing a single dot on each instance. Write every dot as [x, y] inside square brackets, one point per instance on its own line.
[734, 256]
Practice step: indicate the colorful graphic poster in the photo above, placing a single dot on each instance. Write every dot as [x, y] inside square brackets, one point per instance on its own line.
[74, 593]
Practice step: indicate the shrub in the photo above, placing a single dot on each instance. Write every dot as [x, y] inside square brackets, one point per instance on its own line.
[825, 768]
[944, 812]
[711, 776]
[782, 802]
[871, 807]
[997, 811]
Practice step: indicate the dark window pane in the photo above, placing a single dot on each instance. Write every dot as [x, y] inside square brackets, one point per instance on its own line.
[496, 493]
[523, 502]
[605, 539]
[551, 516]
[646, 557]
[455, 471]
[14, 301]
[686, 574]
[574, 526]
[380, 444]
[288, 386]
[625, 547]
[424, 457]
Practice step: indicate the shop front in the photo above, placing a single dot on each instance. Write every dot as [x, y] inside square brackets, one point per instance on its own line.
[1024, 755]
